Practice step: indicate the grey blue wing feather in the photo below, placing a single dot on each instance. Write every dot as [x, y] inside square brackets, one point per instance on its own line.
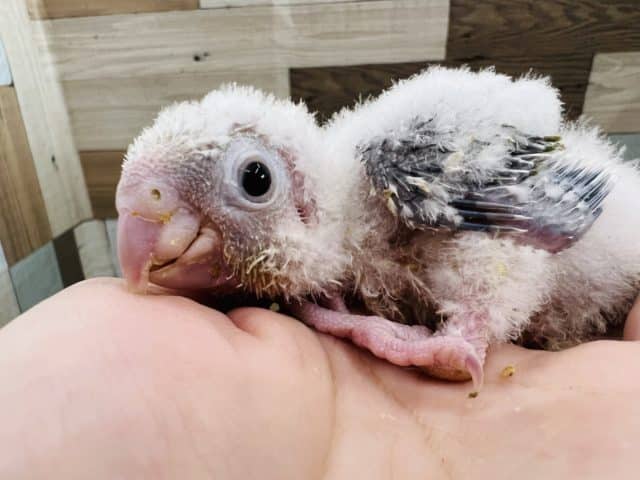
[532, 195]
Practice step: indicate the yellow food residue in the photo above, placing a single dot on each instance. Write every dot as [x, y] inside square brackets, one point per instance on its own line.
[508, 371]
[502, 269]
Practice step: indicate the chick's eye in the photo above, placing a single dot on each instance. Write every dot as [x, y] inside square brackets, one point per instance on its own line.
[256, 179]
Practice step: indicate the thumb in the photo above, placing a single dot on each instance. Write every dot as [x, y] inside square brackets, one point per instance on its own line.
[632, 327]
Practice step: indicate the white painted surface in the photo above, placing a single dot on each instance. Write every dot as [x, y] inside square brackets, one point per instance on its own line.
[5, 72]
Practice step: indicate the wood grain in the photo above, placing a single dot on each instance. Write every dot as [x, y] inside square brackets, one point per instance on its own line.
[43, 9]
[613, 95]
[45, 117]
[568, 73]
[248, 39]
[23, 220]
[556, 37]
[248, 3]
[107, 114]
[501, 28]
[102, 172]
[327, 90]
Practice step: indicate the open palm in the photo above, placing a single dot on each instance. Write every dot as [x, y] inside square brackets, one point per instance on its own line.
[100, 383]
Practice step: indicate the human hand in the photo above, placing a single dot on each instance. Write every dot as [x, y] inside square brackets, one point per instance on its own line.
[100, 383]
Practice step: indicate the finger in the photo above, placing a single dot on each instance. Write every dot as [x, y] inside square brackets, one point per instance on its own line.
[107, 300]
[263, 323]
[632, 326]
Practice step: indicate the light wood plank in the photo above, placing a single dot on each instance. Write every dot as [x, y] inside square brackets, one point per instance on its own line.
[23, 220]
[252, 3]
[45, 117]
[613, 94]
[93, 248]
[249, 38]
[102, 171]
[41, 9]
[108, 114]
[112, 233]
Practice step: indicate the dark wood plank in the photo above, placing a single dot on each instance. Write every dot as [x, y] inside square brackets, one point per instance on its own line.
[102, 173]
[24, 225]
[327, 90]
[569, 74]
[44, 9]
[491, 29]
[68, 258]
[556, 38]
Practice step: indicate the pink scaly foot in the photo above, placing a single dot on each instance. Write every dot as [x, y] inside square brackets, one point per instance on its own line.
[451, 356]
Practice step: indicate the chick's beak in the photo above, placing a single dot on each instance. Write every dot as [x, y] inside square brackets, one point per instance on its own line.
[161, 239]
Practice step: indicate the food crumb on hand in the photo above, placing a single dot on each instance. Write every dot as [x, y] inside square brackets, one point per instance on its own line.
[274, 307]
[508, 371]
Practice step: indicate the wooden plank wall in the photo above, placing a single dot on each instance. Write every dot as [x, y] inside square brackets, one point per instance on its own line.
[82, 77]
[557, 38]
[24, 226]
[114, 82]
[44, 112]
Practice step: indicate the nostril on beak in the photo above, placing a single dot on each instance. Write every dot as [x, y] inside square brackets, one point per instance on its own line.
[155, 194]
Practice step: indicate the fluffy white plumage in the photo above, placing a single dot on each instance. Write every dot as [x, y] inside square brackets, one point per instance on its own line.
[559, 299]
[326, 236]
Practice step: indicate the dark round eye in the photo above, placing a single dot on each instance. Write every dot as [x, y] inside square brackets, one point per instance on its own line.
[256, 179]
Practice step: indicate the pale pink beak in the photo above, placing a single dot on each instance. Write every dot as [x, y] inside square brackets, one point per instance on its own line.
[161, 239]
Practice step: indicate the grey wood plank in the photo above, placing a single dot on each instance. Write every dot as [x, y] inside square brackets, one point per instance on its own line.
[8, 302]
[631, 142]
[112, 233]
[36, 277]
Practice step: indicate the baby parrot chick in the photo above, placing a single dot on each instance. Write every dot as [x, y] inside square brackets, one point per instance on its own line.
[454, 211]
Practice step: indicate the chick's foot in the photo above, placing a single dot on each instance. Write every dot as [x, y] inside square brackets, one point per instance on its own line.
[446, 355]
